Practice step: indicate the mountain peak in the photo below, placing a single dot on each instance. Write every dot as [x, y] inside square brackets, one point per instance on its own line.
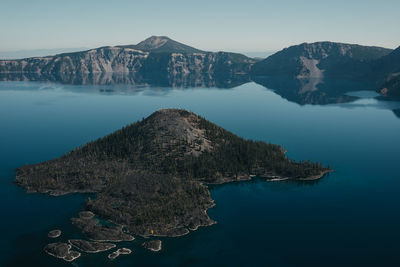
[166, 45]
[154, 42]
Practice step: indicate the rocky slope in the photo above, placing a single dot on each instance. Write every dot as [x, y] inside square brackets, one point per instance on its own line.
[317, 62]
[154, 56]
[387, 73]
[163, 44]
[321, 59]
[149, 176]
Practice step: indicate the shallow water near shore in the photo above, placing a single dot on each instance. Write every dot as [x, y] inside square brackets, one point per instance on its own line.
[350, 217]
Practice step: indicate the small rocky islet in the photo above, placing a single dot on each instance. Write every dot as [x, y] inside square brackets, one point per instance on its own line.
[120, 251]
[54, 233]
[62, 251]
[151, 177]
[153, 245]
[89, 225]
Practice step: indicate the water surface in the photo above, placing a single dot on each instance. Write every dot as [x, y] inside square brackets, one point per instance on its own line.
[348, 218]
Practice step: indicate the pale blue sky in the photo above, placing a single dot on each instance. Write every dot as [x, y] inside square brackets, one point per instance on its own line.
[248, 25]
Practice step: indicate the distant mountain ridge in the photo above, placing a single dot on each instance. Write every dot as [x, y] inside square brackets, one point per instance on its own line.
[168, 60]
[155, 56]
[325, 59]
[335, 60]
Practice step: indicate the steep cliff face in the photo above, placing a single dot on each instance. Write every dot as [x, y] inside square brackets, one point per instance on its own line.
[321, 59]
[154, 56]
[221, 63]
[105, 59]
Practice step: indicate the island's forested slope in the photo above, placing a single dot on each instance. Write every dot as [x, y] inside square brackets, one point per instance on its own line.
[148, 174]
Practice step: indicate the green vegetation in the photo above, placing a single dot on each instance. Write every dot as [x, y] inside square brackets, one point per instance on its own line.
[149, 175]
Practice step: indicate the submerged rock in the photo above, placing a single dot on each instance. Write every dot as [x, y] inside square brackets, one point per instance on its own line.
[54, 233]
[153, 245]
[90, 247]
[62, 251]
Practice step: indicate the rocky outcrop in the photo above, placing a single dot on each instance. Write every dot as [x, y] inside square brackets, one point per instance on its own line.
[90, 246]
[153, 245]
[120, 251]
[54, 233]
[62, 251]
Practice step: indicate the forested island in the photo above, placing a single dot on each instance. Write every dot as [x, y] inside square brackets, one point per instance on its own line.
[151, 177]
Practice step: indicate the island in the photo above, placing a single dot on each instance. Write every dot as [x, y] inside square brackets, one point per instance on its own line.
[54, 233]
[120, 251]
[62, 251]
[90, 247]
[151, 177]
[153, 245]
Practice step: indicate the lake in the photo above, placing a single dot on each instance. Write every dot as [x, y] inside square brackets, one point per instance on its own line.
[349, 218]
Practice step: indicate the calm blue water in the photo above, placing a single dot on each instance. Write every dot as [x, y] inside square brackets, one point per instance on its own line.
[350, 218]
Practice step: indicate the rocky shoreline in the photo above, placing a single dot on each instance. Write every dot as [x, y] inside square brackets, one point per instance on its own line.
[153, 245]
[157, 185]
[62, 251]
[120, 251]
[90, 247]
[54, 233]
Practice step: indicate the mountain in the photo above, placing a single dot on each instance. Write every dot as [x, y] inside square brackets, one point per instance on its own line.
[319, 60]
[387, 73]
[163, 44]
[151, 175]
[155, 56]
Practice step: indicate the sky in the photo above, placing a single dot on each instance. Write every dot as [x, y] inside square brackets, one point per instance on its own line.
[239, 26]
